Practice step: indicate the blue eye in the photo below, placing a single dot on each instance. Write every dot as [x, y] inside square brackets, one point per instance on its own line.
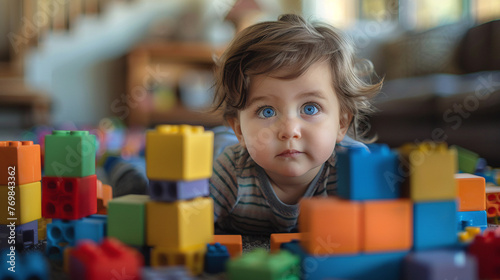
[266, 112]
[310, 109]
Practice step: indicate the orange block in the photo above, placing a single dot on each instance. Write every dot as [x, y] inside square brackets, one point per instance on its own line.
[22, 160]
[330, 226]
[104, 192]
[233, 243]
[279, 238]
[387, 225]
[471, 192]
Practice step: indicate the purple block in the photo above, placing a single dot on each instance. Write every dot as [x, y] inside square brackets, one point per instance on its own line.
[170, 191]
[439, 265]
[26, 235]
[165, 273]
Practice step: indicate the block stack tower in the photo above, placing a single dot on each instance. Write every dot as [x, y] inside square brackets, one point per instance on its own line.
[20, 193]
[179, 217]
[395, 211]
[69, 190]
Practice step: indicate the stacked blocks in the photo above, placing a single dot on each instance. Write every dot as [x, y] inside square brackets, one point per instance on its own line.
[179, 220]
[471, 201]
[69, 187]
[378, 167]
[109, 260]
[127, 219]
[20, 193]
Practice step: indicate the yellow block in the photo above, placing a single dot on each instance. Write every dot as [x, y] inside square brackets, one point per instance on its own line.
[26, 205]
[193, 258]
[432, 168]
[176, 152]
[180, 225]
[42, 227]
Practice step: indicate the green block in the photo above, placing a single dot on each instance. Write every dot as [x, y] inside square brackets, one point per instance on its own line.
[467, 160]
[127, 219]
[260, 264]
[70, 154]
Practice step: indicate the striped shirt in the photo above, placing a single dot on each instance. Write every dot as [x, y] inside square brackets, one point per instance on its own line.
[244, 200]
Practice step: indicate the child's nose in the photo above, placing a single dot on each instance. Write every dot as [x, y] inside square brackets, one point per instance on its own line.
[289, 128]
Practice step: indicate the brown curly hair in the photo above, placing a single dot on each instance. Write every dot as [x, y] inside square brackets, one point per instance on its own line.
[294, 44]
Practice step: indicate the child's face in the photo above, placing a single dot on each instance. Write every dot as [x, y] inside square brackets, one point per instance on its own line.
[290, 127]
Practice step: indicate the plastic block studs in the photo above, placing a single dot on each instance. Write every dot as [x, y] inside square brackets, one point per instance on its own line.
[170, 191]
[471, 192]
[180, 225]
[109, 260]
[20, 160]
[432, 169]
[60, 234]
[438, 265]
[127, 219]
[387, 225]
[69, 198]
[27, 207]
[434, 225]
[368, 175]
[70, 154]
[259, 264]
[216, 258]
[330, 226]
[492, 201]
[233, 243]
[179, 153]
[279, 238]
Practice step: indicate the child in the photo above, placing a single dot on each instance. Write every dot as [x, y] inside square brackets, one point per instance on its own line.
[290, 91]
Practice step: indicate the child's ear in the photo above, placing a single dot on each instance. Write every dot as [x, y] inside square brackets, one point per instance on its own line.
[344, 123]
[236, 126]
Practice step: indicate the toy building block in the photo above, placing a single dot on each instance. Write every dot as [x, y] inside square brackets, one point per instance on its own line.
[468, 234]
[104, 192]
[91, 228]
[20, 162]
[42, 228]
[279, 238]
[67, 258]
[60, 234]
[192, 258]
[109, 260]
[69, 198]
[170, 191]
[26, 235]
[180, 225]
[101, 209]
[165, 273]
[32, 265]
[216, 258]
[379, 168]
[432, 169]
[176, 152]
[330, 226]
[387, 266]
[490, 175]
[434, 225]
[26, 205]
[70, 154]
[471, 219]
[481, 165]
[387, 225]
[485, 249]
[467, 160]
[127, 219]
[471, 192]
[492, 201]
[439, 265]
[233, 243]
[259, 264]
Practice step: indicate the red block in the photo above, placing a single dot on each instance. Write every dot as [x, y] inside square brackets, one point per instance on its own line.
[22, 160]
[69, 198]
[486, 249]
[109, 260]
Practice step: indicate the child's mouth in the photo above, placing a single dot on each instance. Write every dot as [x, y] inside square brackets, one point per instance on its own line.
[289, 153]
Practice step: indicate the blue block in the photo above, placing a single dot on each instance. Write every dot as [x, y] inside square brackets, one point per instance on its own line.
[434, 225]
[472, 219]
[364, 175]
[439, 265]
[170, 191]
[26, 235]
[92, 227]
[32, 265]
[387, 266]
[166, 273]
[216, 258]
[61, 231]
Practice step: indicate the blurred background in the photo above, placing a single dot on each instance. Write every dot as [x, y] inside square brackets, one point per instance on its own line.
[129, 65]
